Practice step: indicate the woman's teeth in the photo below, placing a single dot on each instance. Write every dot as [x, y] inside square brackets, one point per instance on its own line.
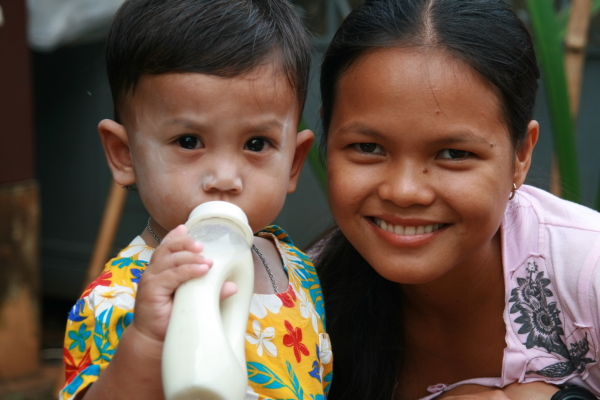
[407, 230]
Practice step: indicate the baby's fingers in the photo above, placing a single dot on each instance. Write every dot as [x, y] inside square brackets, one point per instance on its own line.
[175, 260]
[178, 240]
[228, 290]
[171, 279]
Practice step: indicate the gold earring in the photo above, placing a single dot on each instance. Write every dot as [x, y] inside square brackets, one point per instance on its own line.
[513, 192]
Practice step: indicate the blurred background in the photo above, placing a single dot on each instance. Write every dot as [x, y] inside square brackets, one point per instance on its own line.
[54, 180]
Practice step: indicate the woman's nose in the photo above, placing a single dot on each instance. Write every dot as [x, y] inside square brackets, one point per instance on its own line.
[406, 184]
[223, 177]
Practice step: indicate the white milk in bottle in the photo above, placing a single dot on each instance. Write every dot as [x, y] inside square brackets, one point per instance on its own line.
[204, 351]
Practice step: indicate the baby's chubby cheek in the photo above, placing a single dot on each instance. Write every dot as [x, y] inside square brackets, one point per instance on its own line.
[263, 212]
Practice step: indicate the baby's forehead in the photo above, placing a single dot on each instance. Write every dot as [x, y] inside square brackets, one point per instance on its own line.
[261, 99]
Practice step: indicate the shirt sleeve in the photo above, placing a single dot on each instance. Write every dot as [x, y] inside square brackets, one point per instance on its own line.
[97, 321]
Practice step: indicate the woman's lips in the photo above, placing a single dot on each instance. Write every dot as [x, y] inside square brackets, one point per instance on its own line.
[407, 235]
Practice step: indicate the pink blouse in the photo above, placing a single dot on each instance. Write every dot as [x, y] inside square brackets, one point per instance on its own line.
[551, 257]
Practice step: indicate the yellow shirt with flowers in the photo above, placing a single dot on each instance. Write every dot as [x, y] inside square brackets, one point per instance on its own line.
[288, 353]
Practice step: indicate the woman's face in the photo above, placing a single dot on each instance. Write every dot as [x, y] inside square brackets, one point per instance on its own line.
[420, 163]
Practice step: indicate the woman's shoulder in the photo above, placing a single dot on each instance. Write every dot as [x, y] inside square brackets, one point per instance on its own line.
[566, 235]
[551, 253]
[554, 211]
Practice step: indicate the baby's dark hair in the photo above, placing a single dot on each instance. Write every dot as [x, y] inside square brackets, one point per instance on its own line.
[488, 37]
[217, 37]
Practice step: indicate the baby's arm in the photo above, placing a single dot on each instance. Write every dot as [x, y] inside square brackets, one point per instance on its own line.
[515, 391]
[135, 368]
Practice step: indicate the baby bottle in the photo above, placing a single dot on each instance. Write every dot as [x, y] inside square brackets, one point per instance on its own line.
[204, 351]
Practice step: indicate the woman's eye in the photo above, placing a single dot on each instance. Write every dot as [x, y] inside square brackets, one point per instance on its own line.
[371, 148]
[453, 154]
[190, 142]
[256, 144]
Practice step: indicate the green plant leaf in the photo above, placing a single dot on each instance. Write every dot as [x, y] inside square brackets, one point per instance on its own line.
[549, 45]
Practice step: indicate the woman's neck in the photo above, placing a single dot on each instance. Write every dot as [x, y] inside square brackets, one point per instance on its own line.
[454, 327]
[468, 289]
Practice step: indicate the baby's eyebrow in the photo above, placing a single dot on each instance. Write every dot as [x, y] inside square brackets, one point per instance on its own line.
[186, 124]
[267, 126]
[253, 126]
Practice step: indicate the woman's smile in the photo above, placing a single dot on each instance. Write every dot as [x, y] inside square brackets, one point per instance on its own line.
[407, 229]
[409, 234]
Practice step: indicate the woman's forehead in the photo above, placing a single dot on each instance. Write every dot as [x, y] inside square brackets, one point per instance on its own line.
[399, 88]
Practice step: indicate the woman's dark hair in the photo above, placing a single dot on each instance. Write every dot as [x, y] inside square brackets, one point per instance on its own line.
[363, 308]
[217, 37]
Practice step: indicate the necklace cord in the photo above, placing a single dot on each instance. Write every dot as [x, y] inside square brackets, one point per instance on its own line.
[159, 240]
[262, 258]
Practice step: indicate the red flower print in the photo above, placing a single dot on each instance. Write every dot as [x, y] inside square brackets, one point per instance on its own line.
[102, 280]
[295, 339]
[71, 368]
[288, 298]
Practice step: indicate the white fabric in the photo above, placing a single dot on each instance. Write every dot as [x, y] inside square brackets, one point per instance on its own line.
[53, 23]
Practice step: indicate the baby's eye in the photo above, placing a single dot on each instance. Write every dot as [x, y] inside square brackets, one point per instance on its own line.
[190, 142]
[256, 144]
[370, 148]
[453, 154]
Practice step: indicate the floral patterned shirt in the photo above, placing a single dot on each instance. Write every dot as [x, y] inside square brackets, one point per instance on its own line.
[288, 353]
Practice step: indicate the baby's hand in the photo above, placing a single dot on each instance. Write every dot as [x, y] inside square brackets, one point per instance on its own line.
[175, 261]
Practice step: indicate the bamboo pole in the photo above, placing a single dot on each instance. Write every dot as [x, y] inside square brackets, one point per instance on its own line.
[113, 211]
[575, 44]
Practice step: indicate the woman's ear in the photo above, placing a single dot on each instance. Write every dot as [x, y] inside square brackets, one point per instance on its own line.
[304, 142]
[525, 153]
[118, 152]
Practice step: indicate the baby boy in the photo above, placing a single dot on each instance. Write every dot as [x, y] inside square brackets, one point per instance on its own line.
[208, 95]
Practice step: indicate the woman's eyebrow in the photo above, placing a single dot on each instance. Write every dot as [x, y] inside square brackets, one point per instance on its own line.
[460, 137]
[360, 128]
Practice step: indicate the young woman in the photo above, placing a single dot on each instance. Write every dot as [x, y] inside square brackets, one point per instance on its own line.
[446, 270]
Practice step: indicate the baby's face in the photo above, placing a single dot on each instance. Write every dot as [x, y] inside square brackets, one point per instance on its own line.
[196, 138]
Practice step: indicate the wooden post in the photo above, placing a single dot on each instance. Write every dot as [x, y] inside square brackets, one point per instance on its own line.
[575, 43]
[19, 282]
[19, 201]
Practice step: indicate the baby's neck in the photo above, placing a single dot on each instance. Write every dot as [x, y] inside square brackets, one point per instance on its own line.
[263, 284]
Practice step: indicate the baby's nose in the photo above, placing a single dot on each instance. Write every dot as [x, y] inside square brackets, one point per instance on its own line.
[223, 178]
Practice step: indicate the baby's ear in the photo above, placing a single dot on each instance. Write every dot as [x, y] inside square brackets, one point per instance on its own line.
[304, 142]
[118, 153]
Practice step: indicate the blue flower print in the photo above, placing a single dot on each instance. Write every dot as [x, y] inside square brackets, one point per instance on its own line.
[127, 261]
[316, 372]
[137, 275]
[79, 338]
[92, 370]
[75, 313]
